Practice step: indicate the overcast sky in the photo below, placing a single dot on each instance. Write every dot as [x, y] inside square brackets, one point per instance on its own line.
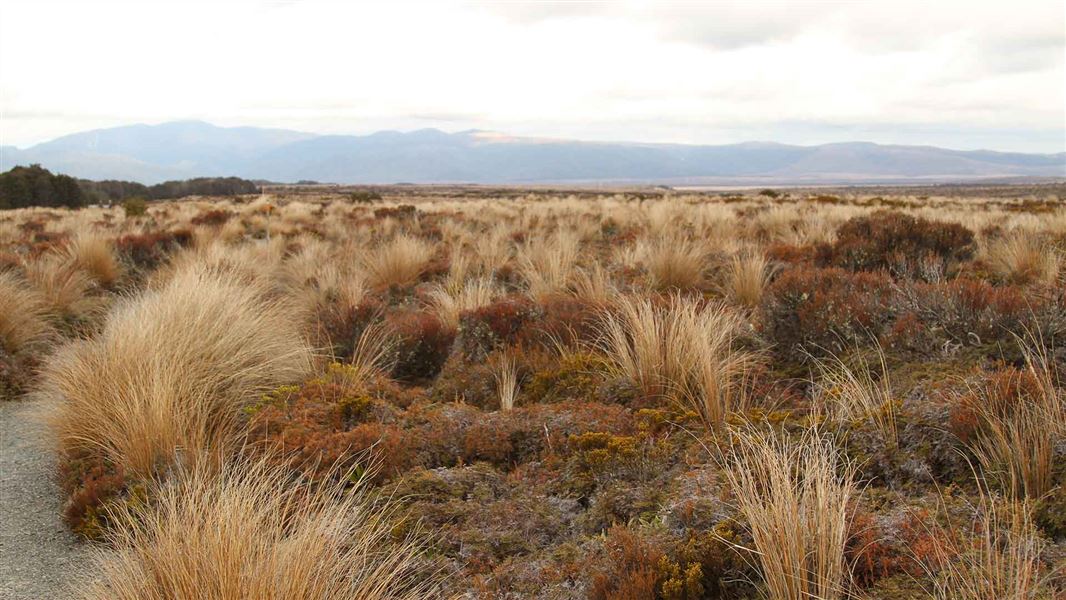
[973, 74]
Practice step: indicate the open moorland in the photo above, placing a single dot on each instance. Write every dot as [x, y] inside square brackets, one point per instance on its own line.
[420, 392]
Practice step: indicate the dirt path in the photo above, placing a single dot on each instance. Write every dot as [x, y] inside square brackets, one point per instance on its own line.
[38, 555]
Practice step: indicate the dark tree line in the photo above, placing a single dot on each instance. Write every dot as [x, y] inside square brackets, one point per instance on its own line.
[36, 186]
[111, 191]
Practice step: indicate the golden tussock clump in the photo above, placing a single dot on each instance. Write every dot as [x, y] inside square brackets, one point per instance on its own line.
[171, 370]
[1024, 258]
[250, 531]
[399, 262]
[94, 255]
[23, 314]
[796, 496]
[681, 351]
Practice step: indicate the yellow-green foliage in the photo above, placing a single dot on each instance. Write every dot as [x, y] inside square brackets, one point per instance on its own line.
[576, 377]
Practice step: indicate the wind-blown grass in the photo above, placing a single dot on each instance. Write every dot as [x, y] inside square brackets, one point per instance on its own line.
[251, 532]
[23, 314]
[171, 370]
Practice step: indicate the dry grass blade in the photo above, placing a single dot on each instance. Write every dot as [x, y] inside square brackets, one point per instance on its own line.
[66, 289]
[1024, 258]
[674, 262]
[548, 264]
[449, 305]
[594, 285]
[999, 557]
[796, 498]
[94, 255]
[251, 532]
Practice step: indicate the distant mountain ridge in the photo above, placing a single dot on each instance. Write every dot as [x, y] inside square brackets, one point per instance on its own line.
[184, 149]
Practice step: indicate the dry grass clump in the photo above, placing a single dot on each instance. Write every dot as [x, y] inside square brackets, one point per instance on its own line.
[171, 369]
[1015, 442]
[547, 264]
[1024, 258]
[23, 314]
[506, 375]
[796, 497]
[400, 262]
[747, 278]
[681, 351]
[94, 255]
[855, 393]
[673, 262]
[372, 354]
[449, 304]
[250, 531]
[999, 557]
[594, 285]
[66, 290]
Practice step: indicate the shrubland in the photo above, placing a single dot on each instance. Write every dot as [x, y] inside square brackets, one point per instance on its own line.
[504, 394]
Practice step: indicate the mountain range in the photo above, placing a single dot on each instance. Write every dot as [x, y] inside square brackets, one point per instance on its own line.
[184, 149]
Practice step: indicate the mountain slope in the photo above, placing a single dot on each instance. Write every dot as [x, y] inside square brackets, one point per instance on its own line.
[152, 153]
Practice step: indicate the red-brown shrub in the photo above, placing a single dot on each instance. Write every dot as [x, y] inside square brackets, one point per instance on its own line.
[899, 242]
[970, 310]
[147, 251]
[423, 343]
[484, 329]
[212, 218]
[812, 309]
[631, 572]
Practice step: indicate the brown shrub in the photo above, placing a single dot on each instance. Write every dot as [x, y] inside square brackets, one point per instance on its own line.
[908, 246]
[813, 309]
[423, 343]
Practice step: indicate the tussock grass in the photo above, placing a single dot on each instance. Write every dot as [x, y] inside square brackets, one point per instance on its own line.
[594, 285]
[23, 314]
[372, 354]
[250, 532]
[399, 262]
[998, 557]
[95, 256]
[680, 351]
[171, 369]
[747, 278]
[548, 264]
[66, 290]
[506, 375]
[1015, 445]
[673, 261]
[1024, 258]
[796, 496]
[448, 305]
[856, 393]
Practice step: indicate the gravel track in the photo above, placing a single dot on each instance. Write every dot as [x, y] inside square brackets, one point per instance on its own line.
[39, 557]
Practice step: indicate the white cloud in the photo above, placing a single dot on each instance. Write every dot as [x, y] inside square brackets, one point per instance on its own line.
[956, 74]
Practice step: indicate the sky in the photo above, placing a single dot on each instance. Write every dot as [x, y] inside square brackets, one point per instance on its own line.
[965, 75]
